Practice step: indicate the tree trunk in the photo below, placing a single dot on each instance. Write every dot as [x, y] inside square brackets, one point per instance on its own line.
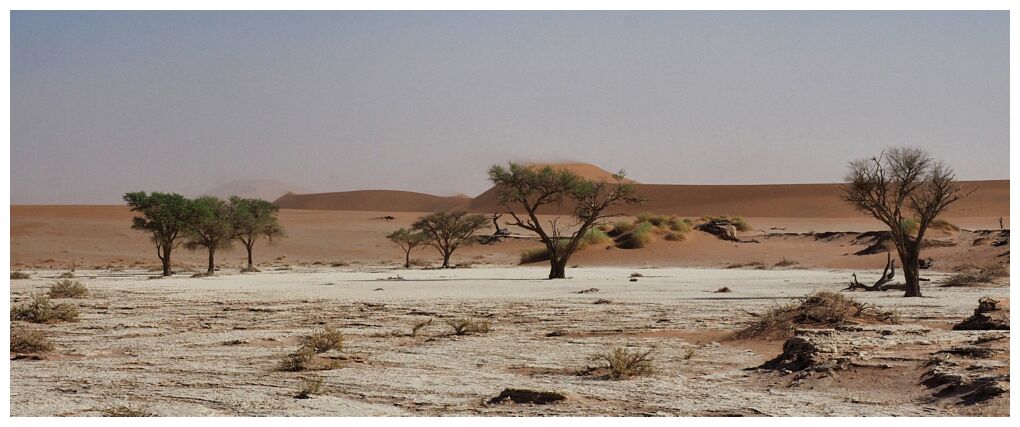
[558, 269]
[446, 260]
[212, 263]
[251, 266]
[407, 259]
[166, 263]
[911, 274]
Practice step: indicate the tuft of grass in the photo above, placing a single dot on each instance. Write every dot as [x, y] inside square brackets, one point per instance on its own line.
[785, 263]
[66, 275]
[638, 237]
[909, 225]
[689, 352]
[821, 308]
[126, 411]
[737, 221]
[19, 275]
[309, 385]
[941, 224]
[681, 226]
[624, 363]
[306, 359]
[24, 340]
[41, 310]
[465, 326]
[67, 288]
[621, 228]
[976, 275]
[324, 340]
[655, 220]
[594, 236]
[417, 326]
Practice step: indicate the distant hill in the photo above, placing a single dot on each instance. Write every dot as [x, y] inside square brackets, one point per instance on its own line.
[371, 200]
[266, 189]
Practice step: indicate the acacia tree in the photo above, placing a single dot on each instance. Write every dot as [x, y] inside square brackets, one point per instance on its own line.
[209, 227]
[900, 182]
[447, 231]
[528, 189]
[164, 216]
[252, 219]
[407, 240]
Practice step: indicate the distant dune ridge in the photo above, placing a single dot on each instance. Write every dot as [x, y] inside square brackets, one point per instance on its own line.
[265, 189]
[991, 198]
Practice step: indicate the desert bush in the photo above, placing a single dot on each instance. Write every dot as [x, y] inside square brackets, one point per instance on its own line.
[465, 326]
[417, 326]
[975, 275]
[624, 363]
[125, 411]
[24, 340]
[654, 219]
[909, 225]
[680, 225]
[820, 308]
[309, 386]
[306, 359]
[41, 310]
[19, 275]
[785, 263]
[638, 237]
[324, 340]
[67, 288]
[941, 224]
[594, 236]
[621, 228]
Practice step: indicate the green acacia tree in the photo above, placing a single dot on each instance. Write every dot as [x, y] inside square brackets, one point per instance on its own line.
[524, 188]
[252, 219]
[407, 240]
[210, 227]
[164, 216]
[447, 231]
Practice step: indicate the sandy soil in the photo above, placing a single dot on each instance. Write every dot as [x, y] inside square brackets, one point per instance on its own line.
[100, 237]
[211, 346]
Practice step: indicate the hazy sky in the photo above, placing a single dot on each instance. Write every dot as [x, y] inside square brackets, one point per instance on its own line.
[103, 103]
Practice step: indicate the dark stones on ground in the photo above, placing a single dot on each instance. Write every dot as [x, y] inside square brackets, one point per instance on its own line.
[520, 395]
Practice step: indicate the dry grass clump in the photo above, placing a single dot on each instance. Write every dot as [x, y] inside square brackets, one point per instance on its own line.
[66, 275]
[976, 275]
[757, 265]
[737, 221]
[624, 363]
[19, 275]
[41, 310]
[309, 386]
[419, 325]
[68, 288]
[324, 340]
[125, 411]
[818, 309]
[785, 263]
[24, 340]
[639, 236]
[306, 359]
[594, 236]
[941, 224]
[465, 326]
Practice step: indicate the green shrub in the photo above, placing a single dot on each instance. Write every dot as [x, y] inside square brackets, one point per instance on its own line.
[67, 288]
[41, 310]
[640, 236]
[909, 225]
[654, 219]
[594, 236]
[680, 225]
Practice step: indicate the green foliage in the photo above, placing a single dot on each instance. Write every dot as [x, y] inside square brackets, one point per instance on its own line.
[407, 240]
[595, 236]
[164, 216]
[210, 227]
[679, 225]
[909, 225]
[41, 310]
[447, 231]
[252, 219]
[67, 288]
[640, 236]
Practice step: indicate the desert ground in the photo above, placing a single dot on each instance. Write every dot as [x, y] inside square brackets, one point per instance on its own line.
[214, 345]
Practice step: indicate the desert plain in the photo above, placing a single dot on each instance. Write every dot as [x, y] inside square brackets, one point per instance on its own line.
[194, 346]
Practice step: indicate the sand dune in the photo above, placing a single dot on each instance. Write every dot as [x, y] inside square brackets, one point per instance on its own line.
[370, 200]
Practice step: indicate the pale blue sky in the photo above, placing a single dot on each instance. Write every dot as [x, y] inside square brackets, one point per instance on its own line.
[104, 102]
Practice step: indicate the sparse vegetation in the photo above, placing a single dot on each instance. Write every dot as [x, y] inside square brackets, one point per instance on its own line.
[819, 309]
[126, 411]
[67, 288]
[407, 240]
[465, 326]
[419, 325]
[164, 217]
[595, 236]
[447, 231]
[306, 359]
[24, 340]
[41, 310]
[738, 222]
[638, 237]
[324, 340]
[976, 275]
[624, 363]
[941, 224]
[310, 385]
[757, 265]
[252, 218]
[66, 275]
[785, 262]
[19, 275]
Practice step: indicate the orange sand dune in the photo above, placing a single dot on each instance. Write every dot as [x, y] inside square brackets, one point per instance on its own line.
[370, 200]
[990, 198]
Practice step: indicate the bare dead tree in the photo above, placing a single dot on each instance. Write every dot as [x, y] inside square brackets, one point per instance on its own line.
[888, 273]
[899, 185]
